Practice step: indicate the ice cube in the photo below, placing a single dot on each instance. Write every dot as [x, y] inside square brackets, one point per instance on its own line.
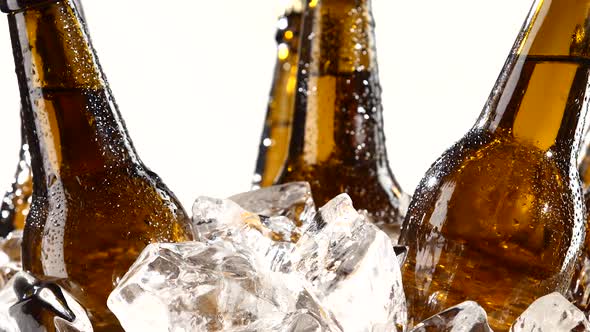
[292, 200]
[464, 317]
[224, 220]
[208, 286]
[551, 313]
[27, 304]
[353, 268]
[10, 256]
[297, 322]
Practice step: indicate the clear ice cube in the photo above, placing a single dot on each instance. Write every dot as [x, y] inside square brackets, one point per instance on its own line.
[464, 317]
[353, 268]
[292, 200]
[551, 313]
[224, 220]
[213, 286]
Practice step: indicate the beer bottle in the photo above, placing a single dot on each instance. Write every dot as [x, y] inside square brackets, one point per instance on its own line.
[338, 143]
[95, 205]
[279, 115]
[499, 218]
[15, 205]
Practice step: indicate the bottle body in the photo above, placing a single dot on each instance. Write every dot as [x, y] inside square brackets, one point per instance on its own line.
[95, 206]
[499, 218]
[503, 249]
[274, 143]
[338, 144]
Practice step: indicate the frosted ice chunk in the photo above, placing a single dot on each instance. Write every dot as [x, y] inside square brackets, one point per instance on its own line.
[353, 268]
[464, 317]
[551, 313]
[26, 304]
[292, 200]
[213, 286]
[10, 256]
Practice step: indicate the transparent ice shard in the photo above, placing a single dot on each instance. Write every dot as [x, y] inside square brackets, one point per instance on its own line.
[464, 317]
[353, 268]
[551, 313]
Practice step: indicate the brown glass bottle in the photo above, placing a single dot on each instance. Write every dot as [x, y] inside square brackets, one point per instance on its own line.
[15, 205]
[276, 134]
[338, 144]
[95, 205]
[499, 218]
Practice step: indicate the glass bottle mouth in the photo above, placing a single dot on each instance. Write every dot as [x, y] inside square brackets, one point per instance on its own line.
[10, 6]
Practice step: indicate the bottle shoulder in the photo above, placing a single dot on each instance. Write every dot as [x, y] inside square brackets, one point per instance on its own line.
[499, 156]
[123, 195]
[496, 193]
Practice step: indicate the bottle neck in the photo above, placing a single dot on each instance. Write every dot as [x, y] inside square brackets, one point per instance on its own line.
[338, 113]
[72, 122]
[541, 97]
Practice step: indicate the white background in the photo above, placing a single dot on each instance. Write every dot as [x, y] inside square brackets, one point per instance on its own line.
[192, 78]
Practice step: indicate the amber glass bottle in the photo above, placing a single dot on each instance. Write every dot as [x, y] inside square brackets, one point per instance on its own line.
[338, 143]
[500, 218]
[14, 208]
[95, 205]
[276, 134]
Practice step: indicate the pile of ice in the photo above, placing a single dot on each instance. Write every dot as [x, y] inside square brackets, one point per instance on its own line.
[266, 260]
